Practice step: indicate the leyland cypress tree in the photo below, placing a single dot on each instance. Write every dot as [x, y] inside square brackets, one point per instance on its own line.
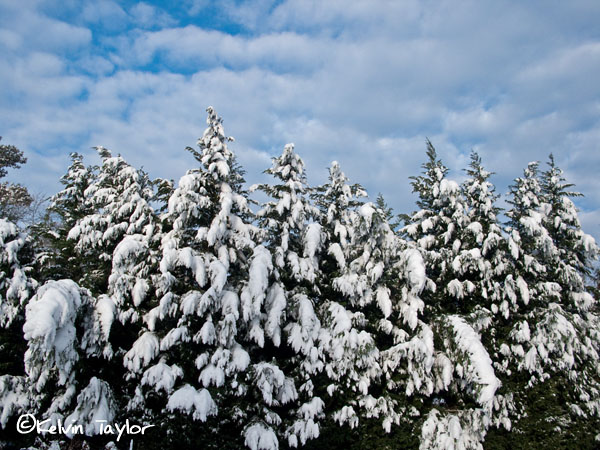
[16, 287]
[576, 251]
[77, 341]
[548, 352]
[436, 229]
[117, 204]
[189, 359]
[56, 255]
[292, 324]
[202, 352]
[463, 400]
[376, 347]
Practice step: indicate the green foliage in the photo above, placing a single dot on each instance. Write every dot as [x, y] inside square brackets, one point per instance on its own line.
[548, 423]
[10, 157]
[14, 198]
[393, 220]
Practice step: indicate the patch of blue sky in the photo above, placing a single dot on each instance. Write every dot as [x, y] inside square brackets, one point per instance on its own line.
[206, 14]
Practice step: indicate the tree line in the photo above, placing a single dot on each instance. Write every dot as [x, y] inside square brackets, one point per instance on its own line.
[322, 320]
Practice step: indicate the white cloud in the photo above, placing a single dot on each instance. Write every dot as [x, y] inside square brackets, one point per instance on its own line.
[148, 16]
[194, 7]
[24, 29]
[106, 12]
[10, 39]
[192, 46]
[362, 17]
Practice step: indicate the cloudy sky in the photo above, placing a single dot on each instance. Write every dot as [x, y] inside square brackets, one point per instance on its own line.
[361, 82]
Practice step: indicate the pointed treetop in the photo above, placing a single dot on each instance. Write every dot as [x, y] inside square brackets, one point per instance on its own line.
[388, 212]
[70, 203]
[338, 180]
[433, 169]
[532, 169]
[479, 193]
[433, 162]
[429, 185]
[525, 193]
[476, 169]
[75, 171]
[553, 182]
[212, 141]
[288, 166]
[215, 126]
[214, 155]
[337, 196]
[103, 152]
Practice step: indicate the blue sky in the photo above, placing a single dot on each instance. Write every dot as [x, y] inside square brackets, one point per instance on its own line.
[361, 82]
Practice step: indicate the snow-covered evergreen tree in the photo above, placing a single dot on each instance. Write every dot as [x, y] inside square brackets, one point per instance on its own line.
[575, 250]
[287, 216]
[16, 284]
[99, 233]
[482, 265]
[119, 201]
[457, 232]
[370, 285]
[526, 237]
[16, 287]
[118, 241]
[57, 258]
[203, 352]
[349, 352]
[57, 385]
[478, 260]
[291, 321]
[436, 229]
[552, 344]
[337, 200]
